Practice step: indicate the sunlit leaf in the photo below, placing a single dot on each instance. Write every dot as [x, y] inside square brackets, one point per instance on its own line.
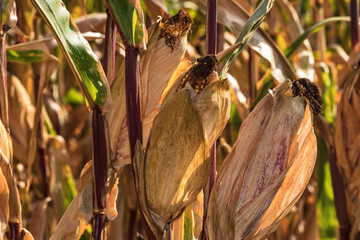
[84, 63]
[290, 50]
[129, 19]
[327, 220]
[29, 56]
[247, 32]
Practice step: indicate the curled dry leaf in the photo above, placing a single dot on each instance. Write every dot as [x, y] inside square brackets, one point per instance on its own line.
[267, 169]
[80, 211]
[347, 144]
[6, 168]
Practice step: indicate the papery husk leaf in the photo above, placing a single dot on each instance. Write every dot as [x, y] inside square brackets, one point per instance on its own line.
[14, 197]
[80, 211]
[214, 104]
[5, 141]
[176, 165]
[347, 144]
[110, 210]
[126, 205]
[158, 64]
[123, 146]
[34, 131]
[303, 152]
[71, 224]
[39, 218]
[255, 186]
[117, 113]
[21, 115]
[4, 204]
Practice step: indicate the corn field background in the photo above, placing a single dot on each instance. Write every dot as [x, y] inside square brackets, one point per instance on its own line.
[178, 120]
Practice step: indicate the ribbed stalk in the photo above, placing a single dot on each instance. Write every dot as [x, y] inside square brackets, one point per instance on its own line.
[339, 197]
[354, 16]
[211, 40]
[253, 76]
[3, 83]
[14, 231]
[14, 228]
[109, 49]
[100, 165]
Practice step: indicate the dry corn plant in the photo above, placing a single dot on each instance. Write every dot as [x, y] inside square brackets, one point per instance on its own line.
[174, 120]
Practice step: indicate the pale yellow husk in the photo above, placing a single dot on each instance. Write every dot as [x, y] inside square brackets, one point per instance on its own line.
[176, 165]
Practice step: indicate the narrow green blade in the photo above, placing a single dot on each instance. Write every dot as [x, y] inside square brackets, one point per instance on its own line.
[83, 62]
[247, 33]
[129, 19]
[292, 48]
[29, 56]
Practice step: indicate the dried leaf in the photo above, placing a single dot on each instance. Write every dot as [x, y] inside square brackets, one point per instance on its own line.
[347, 145]
[4, 204]
[21, 115]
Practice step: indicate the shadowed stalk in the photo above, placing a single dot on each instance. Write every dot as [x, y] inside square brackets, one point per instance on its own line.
[100, 142]
[132, 89]
[41, 148]
[132, 81]
[100, 165]
[339, 196]
[354, 24]
[14, 231]
[211, 24]
[336, 179]
[211, 39]
[3, 84]
[319, 16]
[253, 76]
[220, 37]
[14, 228]
[110, 47]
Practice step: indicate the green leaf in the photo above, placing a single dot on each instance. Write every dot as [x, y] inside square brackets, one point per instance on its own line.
[82, 60]
[328, 93]
[128, 18]
[247, 33]
[73, 98]
[188, 224]
[29, 56]
[292, 48]
[327, 219]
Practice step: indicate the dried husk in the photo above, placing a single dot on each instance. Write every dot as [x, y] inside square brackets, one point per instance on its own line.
[80, 211]
[157, 63]
[7, 171]
[4, 205]
[214, 104]
[267, 169]
[347, 144]
[176, 165]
